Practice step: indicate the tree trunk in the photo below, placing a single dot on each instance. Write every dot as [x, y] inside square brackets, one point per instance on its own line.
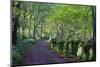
[23, 33]
[14, 29]
[34, 31]
[41, 29]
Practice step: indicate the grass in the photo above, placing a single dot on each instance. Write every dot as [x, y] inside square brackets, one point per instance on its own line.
[20, 50]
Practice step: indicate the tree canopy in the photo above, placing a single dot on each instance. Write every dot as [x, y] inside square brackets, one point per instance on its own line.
[72, 26]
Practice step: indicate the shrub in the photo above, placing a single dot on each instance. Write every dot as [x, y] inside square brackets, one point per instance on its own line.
[21, 49]
[16, 57]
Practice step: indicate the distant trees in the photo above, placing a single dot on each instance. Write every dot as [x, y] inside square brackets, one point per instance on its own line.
[31, 17]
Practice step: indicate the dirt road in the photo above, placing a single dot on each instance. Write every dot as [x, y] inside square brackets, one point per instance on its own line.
[40, 54]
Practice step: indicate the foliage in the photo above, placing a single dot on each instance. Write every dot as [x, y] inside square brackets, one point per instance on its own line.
[21, 49]
[65, 25]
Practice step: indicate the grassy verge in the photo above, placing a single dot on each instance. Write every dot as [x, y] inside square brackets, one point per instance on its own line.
[22, 47]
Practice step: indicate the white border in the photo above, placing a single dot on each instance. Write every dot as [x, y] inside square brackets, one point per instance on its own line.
[85, 2]
[5, 33]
